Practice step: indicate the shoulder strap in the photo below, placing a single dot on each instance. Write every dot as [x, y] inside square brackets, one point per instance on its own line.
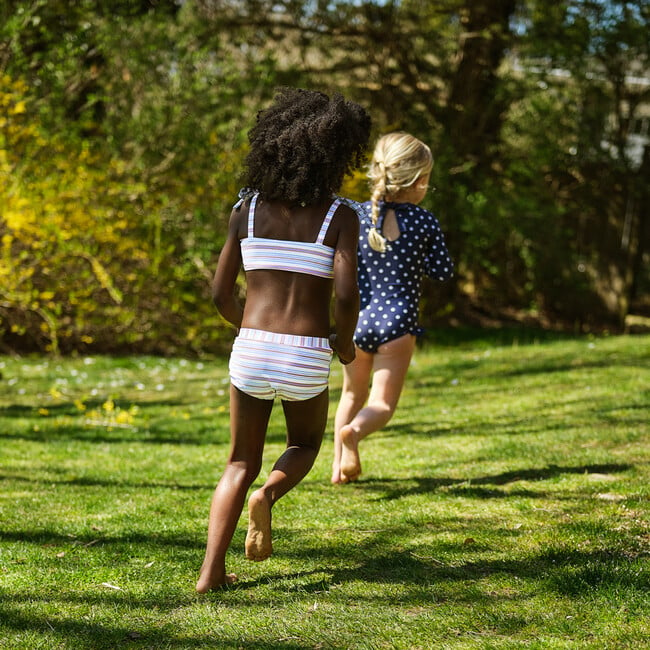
[251, 215]
[327, 220]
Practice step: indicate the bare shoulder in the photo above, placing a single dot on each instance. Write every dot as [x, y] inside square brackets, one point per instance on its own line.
[346, 217]
[238, 220]
[344, 228]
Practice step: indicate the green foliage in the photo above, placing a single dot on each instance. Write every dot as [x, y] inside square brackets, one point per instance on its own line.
[139, 160]
[595, 182]
[83, 247]
[132, 121]
[506, 505]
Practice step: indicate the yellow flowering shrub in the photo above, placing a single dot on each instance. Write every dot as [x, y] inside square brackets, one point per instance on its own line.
[101, 253]
[71, 231]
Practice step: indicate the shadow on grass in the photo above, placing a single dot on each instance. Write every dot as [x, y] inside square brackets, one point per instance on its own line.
[69, 408]
[157, 428]
[396, 488]
[391, 488]
[50, 538]
[608, 575]
[566, 571]
[119, 483]
[147, 428]
[201, 437]
[82, 635]
[554, 418]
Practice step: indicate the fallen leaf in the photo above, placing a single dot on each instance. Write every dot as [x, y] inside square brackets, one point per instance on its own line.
[110, 586]
[601, 477]
[608, 496]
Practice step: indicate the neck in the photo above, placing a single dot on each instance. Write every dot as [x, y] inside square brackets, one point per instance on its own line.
[407, 195]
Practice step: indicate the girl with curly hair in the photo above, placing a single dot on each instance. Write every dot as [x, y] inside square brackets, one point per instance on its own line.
[399, 244]
[297, 244]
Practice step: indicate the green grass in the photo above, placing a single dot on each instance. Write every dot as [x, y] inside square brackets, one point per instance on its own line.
[505, 506]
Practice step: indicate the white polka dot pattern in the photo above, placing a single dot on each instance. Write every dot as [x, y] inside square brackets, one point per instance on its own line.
[390, 282]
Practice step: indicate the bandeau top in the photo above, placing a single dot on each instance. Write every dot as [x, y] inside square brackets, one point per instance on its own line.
[312, 258]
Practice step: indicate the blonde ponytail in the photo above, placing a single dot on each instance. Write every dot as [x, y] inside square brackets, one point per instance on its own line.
[376, 240]
[398, 161]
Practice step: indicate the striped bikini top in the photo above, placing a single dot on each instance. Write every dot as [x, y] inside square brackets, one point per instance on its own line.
[312, 258]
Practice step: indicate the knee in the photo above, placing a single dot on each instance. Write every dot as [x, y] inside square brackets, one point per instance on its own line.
[383, 409]
[311, 451]
[243, 473]
[308, 450]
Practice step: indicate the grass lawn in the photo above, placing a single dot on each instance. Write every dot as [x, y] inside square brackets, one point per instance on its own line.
[505, 506]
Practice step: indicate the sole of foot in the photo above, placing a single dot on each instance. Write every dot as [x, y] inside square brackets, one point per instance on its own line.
[258, 538]
[350, 461]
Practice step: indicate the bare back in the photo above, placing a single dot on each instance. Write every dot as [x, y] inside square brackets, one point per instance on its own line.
[292, 302]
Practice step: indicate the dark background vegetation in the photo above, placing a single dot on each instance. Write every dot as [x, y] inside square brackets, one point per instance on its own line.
[123, 129]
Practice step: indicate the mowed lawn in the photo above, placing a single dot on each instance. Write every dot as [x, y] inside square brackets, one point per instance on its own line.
[505, 506]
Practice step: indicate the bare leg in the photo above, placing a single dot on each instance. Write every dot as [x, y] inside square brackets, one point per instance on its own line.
[356, 379]
[391, 364]
[306, 421]
[248, 421]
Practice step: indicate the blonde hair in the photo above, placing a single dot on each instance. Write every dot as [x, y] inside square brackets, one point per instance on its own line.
[398, 161]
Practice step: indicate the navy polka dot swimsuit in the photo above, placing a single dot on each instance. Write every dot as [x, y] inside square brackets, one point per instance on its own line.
[390, 282]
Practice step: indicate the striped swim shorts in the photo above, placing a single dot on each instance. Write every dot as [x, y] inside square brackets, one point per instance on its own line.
[267, 365]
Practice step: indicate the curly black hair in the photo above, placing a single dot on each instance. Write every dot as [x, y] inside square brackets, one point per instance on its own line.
[304, 144]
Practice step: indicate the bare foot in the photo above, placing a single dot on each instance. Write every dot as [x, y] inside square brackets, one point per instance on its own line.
[350, 461]
[258, 538]
[336, 473]
[206, 583]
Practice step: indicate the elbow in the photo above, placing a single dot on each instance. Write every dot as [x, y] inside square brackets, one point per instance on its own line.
[446, 271]
[216, 298]
[441, 273]
[220, 300]
[221, 305]
[222, 294]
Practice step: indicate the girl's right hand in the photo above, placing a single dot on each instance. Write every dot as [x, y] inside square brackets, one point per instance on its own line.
[345, 355]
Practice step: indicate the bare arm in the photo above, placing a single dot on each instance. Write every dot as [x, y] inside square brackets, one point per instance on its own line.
[346, 288]
[224, 283]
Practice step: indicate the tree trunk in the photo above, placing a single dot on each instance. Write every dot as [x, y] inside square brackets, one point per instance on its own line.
[474, 109]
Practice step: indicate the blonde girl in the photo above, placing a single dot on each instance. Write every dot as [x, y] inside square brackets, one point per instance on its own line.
[399, 243]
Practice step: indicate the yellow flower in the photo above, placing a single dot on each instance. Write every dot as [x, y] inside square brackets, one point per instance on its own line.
[55, 393]
[124, 417]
